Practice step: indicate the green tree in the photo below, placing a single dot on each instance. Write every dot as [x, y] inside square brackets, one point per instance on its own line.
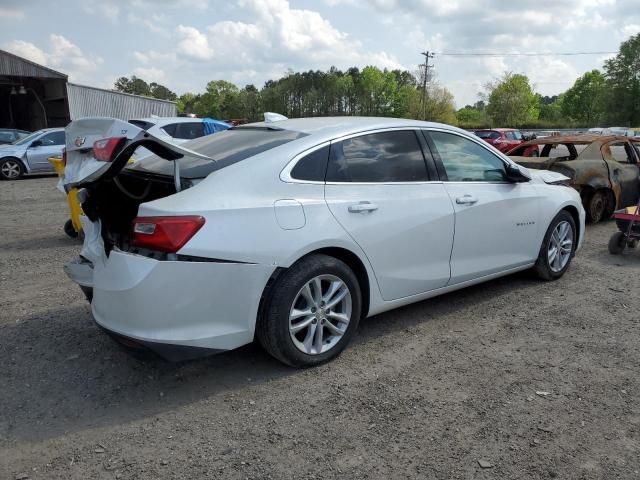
[220, 100]
[512, 101]
[161, 92]
[133, 85]
[584, 101]
[186, 103]
[623, 84]
[469, 117]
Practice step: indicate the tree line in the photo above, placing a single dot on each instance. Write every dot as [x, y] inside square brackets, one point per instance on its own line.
[607, 97]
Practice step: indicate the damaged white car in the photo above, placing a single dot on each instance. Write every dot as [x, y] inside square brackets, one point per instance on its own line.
[292, 231]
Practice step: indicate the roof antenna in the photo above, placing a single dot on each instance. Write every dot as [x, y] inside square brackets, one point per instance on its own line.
[270, 117]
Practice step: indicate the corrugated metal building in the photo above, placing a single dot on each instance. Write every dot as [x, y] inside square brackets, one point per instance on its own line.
[33, 97]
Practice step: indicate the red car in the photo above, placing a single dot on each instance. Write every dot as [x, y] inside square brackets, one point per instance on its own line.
[505, 139]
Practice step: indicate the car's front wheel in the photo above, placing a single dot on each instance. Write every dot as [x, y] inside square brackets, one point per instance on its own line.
[557, 247]
[312, 313]
[11, 169]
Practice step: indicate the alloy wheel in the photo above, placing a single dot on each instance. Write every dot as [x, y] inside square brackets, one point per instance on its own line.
[560, 246]
[10, 169]
[320, 314]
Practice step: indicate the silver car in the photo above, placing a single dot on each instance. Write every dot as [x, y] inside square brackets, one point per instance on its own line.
[30, 154]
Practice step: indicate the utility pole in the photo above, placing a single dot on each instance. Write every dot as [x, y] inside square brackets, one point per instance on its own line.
[425, 78]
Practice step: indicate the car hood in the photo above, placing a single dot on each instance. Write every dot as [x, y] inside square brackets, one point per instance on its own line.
[9, 149]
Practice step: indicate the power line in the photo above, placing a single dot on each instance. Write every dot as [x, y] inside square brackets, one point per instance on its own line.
[524, 54]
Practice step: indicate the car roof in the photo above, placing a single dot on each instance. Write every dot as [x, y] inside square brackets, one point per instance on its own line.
[333, 127]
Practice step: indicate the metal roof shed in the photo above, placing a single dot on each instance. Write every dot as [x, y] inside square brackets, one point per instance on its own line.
[96, 102]
[33, 97]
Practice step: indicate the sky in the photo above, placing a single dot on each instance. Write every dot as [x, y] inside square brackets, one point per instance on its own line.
[183, 44]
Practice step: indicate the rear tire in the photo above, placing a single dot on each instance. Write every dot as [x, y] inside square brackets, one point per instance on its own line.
[597, 206]
[557, 247]
[11, 169]
[312, 312]
[617, 243]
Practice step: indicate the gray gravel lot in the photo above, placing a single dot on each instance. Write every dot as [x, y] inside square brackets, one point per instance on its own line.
[439, 389]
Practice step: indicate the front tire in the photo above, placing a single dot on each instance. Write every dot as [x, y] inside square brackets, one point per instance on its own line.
[557, 247]
[617, 243]
[11, 169]
[312, 312]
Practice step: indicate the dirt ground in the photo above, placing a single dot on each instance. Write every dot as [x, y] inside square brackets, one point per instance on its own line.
[530, 379]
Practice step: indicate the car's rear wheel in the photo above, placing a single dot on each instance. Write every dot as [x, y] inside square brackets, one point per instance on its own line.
[597, 206]
[557, 247]
[11, 169]
[312, 313]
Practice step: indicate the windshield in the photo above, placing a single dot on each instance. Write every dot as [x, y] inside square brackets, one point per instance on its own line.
[226, 148]
[27, 139]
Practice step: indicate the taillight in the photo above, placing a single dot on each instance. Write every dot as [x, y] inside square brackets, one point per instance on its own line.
[103, 149]
[165, 234]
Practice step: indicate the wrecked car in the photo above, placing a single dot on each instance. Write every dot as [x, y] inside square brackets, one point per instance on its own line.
[604, 169]
[292, 231]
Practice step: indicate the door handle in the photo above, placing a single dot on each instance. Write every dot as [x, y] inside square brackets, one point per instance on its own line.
[363, 207]
[466, 200]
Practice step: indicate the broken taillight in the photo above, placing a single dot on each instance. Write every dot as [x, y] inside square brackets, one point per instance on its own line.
[165, 234]
[103, 149]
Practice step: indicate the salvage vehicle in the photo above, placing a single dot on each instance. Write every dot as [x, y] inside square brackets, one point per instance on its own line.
[292, 231]
[505, 139]
[604, 169]
[30, 154]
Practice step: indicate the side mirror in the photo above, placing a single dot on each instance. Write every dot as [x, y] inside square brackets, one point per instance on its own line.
[36, 143]
[515, 175]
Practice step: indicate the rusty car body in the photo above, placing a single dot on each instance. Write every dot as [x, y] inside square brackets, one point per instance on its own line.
[604, 169]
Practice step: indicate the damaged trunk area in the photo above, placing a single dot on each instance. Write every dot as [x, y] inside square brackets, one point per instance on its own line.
[115, 203]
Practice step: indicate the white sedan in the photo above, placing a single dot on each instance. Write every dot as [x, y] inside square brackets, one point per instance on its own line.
[292, 231]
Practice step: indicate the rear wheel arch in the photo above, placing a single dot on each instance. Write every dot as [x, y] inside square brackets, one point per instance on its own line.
[347, 256]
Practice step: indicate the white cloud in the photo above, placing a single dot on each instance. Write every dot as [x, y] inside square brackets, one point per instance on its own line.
[629, 30]
[150, 74]
[61, 54]
[27, 50]
[193, 43]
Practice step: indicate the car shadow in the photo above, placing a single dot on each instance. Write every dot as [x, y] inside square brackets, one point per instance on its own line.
[61, 373]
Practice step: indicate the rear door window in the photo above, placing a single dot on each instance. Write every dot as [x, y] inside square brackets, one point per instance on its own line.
[383, 157]
[188, 131]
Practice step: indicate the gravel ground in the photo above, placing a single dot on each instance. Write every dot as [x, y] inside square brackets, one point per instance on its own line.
[515, 378]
